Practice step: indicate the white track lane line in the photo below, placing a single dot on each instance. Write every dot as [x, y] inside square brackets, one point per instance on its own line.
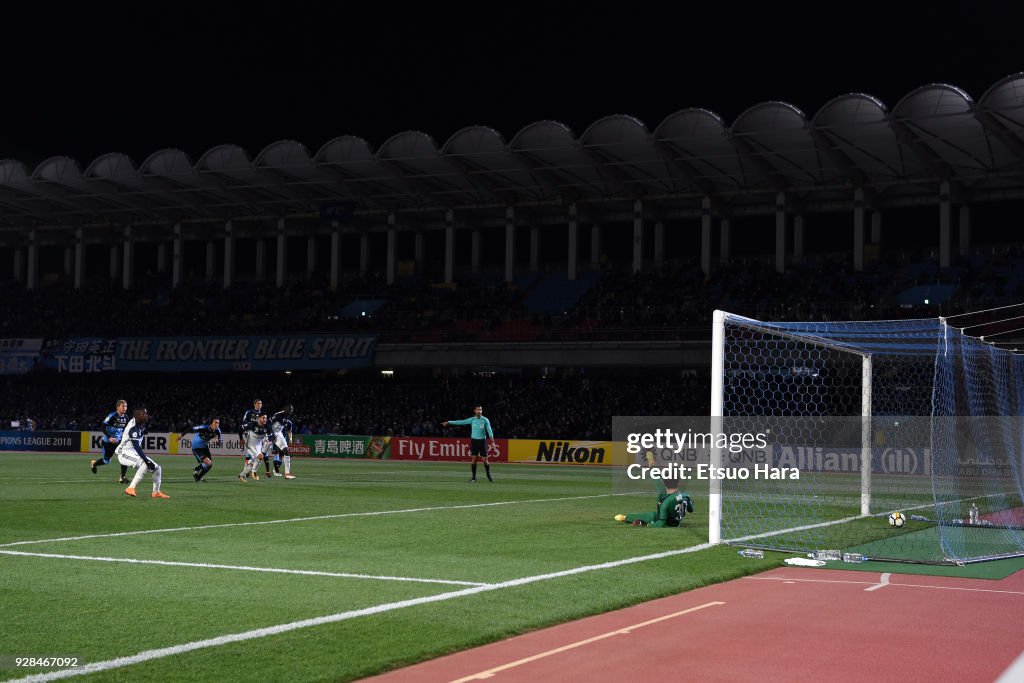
[871, 583]
[882, 582]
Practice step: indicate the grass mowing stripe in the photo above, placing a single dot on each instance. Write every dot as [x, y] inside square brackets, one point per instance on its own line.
[270, 570]
[148, 655]
[304, 519]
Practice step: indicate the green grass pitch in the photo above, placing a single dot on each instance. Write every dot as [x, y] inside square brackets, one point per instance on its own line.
[549, 519]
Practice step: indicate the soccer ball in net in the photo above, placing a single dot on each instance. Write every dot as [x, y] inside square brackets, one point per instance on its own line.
[896, 519]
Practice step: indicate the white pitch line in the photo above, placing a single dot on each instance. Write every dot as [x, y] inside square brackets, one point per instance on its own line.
[301, 519]
[882, 583]
[244, 568]
[149, 655]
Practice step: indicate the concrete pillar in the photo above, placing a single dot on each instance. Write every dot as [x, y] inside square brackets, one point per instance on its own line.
[780, 232]
[534, 249]
[419, 252]
[945, 227]
[69, 261]
[19, 265]
[876, 227]
[474, 251]
[115, 262]
[335, 255]
[310, 256]
[282, 253]
[211, 257]
[128, 262]
[725, 230]
[261, 259]
[638, 236]
[161, 257]
[178, 257]
[595, 246]
[32, 280]
[573, 242]
[229, 254]
[391, 270]
[364, 253]
[965, 230]
[858, 229]
[659, 244]
[449, 246]
[510, 244]
[79, 257]
[705, 235]
[798, 237]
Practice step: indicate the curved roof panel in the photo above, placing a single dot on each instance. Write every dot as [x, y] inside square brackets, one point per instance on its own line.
[1001, 108]
[111, 165]
[167, 162]
[699, 139]
[556, 157]
[283, 153]
[224, 158]
[624, 144]
[483, 155]
[775, 138]
[857, 126]
[935, 133]
[354, 163]
[57, 169]
[408, 145]
[942, 117]
[420, 163]
[12, 171]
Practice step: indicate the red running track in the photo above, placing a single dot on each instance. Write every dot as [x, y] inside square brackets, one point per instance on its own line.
[787, 624]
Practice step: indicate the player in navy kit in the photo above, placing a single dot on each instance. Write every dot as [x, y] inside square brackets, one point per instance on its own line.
[202, 437]
[113, 429]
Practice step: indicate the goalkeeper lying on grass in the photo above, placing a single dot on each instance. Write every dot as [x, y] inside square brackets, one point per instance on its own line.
[672, 507]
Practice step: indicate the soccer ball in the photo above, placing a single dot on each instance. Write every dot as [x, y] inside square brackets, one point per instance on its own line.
[896, 519]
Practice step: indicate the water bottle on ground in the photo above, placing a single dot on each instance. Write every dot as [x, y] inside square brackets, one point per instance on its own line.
[826, 555]
[853, 557]
[753, 554]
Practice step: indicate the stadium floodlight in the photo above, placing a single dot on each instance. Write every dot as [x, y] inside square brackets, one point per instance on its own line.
[879, 416]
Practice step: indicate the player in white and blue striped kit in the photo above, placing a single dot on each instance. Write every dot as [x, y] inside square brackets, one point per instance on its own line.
[280, 426]
[129, 452]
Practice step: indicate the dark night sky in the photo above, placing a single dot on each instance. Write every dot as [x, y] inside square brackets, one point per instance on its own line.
[82, 80]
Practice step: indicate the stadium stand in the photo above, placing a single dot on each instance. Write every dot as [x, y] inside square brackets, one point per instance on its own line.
[524, 405]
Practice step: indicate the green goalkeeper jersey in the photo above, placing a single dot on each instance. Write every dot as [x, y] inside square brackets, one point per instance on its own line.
[672, 507]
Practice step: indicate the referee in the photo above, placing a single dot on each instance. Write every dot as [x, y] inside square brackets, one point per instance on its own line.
[480, 431]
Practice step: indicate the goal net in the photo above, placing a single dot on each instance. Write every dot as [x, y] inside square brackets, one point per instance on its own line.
[877, 416]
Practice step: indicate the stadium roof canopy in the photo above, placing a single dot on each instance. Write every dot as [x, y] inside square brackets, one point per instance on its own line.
[899, 156]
